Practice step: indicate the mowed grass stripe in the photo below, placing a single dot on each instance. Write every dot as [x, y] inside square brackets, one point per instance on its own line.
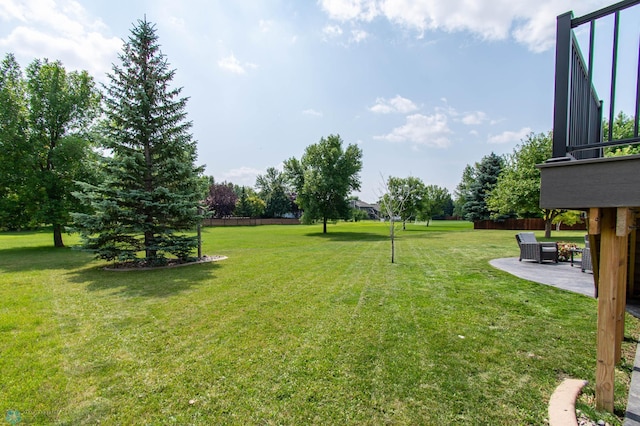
[295, 327]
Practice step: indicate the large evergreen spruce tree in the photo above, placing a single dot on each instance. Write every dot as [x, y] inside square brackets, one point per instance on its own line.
[150, 192]
[485, 178]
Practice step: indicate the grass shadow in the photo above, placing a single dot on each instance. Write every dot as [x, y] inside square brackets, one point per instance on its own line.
[349, 236]
[424, 229]
[146, 283]
[39, 258]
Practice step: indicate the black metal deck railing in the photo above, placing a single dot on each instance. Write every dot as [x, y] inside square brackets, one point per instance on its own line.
[578, 112]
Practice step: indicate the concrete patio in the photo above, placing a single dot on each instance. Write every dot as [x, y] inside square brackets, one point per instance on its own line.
[562, 275]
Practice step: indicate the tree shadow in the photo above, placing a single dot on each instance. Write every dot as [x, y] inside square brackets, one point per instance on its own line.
[432, 233]
[349, 236]
[38, 258]
[421, 229]
[158, 283]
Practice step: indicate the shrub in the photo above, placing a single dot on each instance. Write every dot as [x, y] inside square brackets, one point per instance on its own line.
[564, 251]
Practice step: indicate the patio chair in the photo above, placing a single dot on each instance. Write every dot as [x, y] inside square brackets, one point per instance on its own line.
[531, 249]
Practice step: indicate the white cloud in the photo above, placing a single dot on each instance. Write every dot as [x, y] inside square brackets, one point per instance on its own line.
[332, 31]
[529, 22]
[335, 32]
[312, 112]
[474, 118]
[489, 20]
[241, 176]
[265, 25]
[397, 104]
[177, 23]
[58, 30]
[358, 35]
[232, 64]
[345, 10]
[509, 136]
[429, 130]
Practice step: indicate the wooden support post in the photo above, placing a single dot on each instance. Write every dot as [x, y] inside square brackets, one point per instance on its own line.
[594, 221]
[613, 267]
[631, 274]
[624, 220]
[621, 302]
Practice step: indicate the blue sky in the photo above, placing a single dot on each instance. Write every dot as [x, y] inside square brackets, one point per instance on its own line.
[423, 87]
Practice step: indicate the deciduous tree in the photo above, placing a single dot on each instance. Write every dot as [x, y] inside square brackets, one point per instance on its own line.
[222, 199]
[412, 190]
[249, 204]
[324, 177]
[46, 115]
[61, 107]
[434, 201]
[623, 128]
[518, 187]
[16, 169]
[392, 205]
[273, 189]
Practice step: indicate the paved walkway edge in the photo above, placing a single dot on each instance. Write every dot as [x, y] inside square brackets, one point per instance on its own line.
[562, 405]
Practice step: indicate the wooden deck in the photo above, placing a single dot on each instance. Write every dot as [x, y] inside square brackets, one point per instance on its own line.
[584, 184]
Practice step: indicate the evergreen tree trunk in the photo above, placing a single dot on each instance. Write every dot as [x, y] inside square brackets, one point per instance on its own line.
[149, 253]
[324, 225]
[57, 235]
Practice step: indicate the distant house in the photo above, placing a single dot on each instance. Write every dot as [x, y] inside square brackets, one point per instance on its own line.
[372, 210]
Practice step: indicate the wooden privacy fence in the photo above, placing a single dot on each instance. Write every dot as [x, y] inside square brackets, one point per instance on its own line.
[533, 224]
[242, 221]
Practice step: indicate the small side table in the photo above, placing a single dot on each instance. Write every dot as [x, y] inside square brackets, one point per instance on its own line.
[574, 251]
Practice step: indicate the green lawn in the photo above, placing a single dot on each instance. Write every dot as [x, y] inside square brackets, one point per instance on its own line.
[295, 327]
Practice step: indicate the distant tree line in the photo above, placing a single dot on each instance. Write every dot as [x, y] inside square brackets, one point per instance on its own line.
[501, 187]
[272, 197]
[117, 164]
